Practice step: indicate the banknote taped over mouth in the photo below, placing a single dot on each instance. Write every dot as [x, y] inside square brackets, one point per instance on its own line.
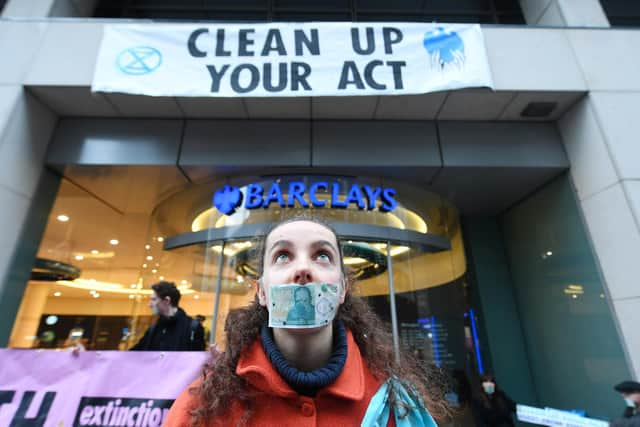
[310, 305]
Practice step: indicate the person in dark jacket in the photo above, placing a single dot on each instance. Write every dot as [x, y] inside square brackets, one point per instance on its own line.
[494, 407]
[630, 391]
[174, 330]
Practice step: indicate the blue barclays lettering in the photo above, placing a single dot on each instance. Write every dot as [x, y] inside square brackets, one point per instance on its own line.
[254, 196]
[389, 202]
[228, 199]
[355, 196]
[275, 195]
[312, 194]
[296, 190]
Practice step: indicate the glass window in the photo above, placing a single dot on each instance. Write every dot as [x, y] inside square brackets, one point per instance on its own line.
[563, 307]
[476, 11]
[622, 13]
[106, 240]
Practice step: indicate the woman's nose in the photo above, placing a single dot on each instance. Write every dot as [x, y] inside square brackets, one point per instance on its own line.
[302, 273]
[303, 276]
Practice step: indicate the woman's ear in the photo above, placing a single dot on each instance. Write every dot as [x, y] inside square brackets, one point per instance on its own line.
[262, 294]
[343, 289]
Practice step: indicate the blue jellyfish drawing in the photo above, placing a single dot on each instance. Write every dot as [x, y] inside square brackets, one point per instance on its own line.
[444, 47]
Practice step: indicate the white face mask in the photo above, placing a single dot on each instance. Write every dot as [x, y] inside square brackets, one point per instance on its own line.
[489, 388]
[630, 403]
[311, 305]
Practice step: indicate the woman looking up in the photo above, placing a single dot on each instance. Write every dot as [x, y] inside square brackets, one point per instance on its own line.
[330, 366]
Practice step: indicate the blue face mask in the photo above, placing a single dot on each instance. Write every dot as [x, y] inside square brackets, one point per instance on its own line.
[489, 388]
[630, 403]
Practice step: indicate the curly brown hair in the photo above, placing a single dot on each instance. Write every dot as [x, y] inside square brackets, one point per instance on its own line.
[220, 384]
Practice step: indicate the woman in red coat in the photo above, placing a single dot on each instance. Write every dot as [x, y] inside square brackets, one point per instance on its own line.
[329, 369]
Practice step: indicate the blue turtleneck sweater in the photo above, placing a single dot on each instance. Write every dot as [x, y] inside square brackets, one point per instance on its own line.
[308, 383]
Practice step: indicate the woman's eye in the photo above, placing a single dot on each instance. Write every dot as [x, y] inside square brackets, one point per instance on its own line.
[323, 257]
[280, 258]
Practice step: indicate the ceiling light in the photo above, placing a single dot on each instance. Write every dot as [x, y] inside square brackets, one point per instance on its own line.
[96, 295]
[196, 296]
[114, 242]
[149, 257]
[184, 282]
[160, 239]
[147, 247]
[132, 296]
[63, 218]
[95, 254]
[144, 265]
[57, 294]
[154, 271]
[549, 253]
[161, 277]
[95, 286]
[79, 257]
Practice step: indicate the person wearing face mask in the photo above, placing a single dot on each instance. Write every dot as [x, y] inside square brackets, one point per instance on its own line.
[494, 407]
[285, 366]
[630, 391]
[173, 330]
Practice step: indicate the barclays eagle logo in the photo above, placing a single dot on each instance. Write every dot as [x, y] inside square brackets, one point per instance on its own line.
[227, 199]
[445, 47]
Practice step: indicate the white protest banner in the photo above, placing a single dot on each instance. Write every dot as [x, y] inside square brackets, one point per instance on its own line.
[555, 418]
[290, 59]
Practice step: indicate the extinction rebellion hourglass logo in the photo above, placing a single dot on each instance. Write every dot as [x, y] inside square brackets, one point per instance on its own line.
[139, 60]
[363, 197]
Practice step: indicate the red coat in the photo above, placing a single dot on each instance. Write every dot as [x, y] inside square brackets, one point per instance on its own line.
[342, 403]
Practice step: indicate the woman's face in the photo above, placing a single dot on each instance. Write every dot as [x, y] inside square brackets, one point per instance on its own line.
[300, 252]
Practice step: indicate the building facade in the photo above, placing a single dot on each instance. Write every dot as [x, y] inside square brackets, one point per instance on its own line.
[512, 248]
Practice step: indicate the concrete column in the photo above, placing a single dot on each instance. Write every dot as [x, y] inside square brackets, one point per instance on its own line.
[26, 193]
[600, 138]
[564, 13]
[49, 8]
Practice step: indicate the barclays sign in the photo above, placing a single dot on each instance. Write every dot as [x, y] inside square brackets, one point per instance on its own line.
[254, 196]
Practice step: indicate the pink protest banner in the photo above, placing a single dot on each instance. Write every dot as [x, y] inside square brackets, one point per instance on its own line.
[96, 388]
